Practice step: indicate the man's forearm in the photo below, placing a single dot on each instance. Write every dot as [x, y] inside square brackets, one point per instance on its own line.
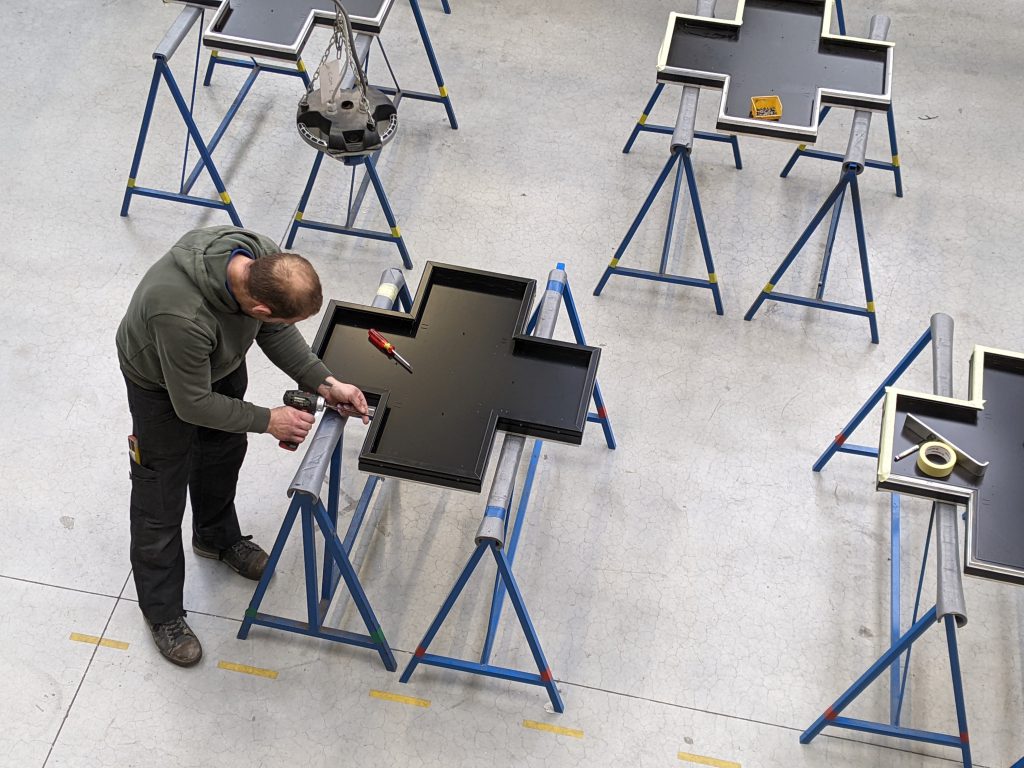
[288, 351]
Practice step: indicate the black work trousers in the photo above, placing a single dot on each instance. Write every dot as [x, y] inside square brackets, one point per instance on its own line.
[175, 456]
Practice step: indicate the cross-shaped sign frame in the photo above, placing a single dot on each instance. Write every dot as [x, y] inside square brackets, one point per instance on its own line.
[960, 488]
[451, 355]
[758, 127]
[366, 16]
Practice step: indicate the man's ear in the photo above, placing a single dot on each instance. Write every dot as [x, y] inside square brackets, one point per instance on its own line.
[261, 312]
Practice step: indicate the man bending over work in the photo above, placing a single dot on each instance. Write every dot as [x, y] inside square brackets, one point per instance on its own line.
[182, 346]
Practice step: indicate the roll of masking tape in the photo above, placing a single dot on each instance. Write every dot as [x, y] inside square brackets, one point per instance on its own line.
[936, 459]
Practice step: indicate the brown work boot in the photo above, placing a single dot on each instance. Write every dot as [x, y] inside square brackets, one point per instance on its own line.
[242, 557]
[177, 642]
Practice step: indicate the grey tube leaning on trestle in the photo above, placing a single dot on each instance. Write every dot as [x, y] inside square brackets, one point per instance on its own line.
[857, 147]
[392, 281]
[493, 528]
[949, 600]
[686, 120]
[362, 51]
[176, 33]
[309, 478]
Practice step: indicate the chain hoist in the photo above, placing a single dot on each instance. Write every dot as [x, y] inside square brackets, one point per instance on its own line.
[340, 114]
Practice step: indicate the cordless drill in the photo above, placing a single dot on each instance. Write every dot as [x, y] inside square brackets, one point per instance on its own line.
[313, 403]
[302, 401]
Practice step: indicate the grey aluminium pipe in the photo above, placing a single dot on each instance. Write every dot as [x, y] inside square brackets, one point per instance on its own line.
[492, 527]
[176, 33]
[857, 147]
[686, 120]
[391, 283]
[348, 80]
[309, 478]
[949, 599]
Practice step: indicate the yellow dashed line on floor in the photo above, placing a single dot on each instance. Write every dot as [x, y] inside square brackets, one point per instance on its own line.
[576, 734]
[712, 761]
[93, 640]
[245, 669]
[411, 701]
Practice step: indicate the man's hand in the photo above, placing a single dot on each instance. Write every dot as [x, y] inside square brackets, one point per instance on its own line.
[290, 425]
[338, 393]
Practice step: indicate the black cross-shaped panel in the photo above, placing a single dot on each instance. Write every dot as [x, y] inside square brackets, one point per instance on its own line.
[988, 430]
[777, 48]
[475, 371]
[278, 29]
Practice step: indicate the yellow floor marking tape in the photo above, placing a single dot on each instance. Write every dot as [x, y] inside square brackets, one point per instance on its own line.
[553, 729]
[412, 702]
[701, 760]
[93, 640]
[247, 670]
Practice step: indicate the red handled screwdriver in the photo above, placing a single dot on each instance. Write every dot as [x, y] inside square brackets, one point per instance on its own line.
[388, 349]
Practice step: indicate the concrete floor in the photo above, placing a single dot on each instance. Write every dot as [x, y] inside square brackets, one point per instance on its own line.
[700, 593]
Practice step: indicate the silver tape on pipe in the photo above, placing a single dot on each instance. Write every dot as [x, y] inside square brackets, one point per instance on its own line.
[309, 478]
[176, 33]
[949, 598]
[493, 528]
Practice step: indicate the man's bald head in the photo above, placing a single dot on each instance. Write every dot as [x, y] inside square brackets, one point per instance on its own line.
[287, 284]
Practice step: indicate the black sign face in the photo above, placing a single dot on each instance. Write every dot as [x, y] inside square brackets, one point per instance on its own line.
[776, 48]
[474, 372]
[990, 432]
[278, 29]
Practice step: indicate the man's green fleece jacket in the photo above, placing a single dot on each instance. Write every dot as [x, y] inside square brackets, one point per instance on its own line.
[183, 331]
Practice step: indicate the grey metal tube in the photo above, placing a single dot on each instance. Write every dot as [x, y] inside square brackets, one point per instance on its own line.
[309, 478]
[391, 283]
[176, 33]
[949, 599]
[348, 80]
[493, 528]
[686, 120]
[857, 147]
[879, 29]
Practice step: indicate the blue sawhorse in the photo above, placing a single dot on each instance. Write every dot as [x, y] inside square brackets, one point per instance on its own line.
[893, 166]
[307, 503]
[369, 164]
[305, 492]
[493, 535]
[852, 168]
[853, 165]
[817, 154]
[162, 73]
[441, 97]
[683, 135]
[667, 130]
[839, 444]
[901, 645]
[897, 658]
